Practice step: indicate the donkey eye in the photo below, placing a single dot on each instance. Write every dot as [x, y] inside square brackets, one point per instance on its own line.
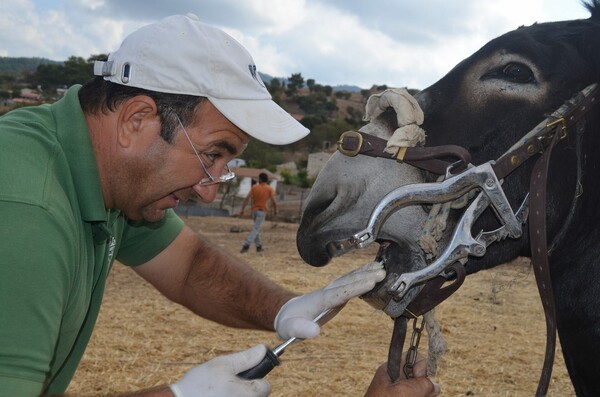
[518, 73]
[514, 72]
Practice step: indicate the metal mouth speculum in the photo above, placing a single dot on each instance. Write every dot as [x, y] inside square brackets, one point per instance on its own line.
[462, 243]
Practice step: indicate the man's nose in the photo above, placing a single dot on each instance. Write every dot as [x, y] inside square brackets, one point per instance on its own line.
[207, 193]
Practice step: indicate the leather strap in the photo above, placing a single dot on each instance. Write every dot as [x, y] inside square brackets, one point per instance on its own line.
[353, 143]
[435, 291]
[539, 142]
[539, 258]
[537, 218]
[394, 364]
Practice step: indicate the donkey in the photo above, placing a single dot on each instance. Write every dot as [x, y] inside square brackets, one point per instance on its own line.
[486, 104]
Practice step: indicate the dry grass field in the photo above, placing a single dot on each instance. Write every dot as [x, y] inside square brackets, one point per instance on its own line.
[493, 325]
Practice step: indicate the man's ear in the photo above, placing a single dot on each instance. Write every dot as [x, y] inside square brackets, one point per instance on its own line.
[138, 121]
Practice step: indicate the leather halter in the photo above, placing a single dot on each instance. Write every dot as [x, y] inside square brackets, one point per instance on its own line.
[353, 143]
[432, 159]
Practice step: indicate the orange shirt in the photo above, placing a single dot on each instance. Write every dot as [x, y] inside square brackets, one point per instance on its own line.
[260, 194]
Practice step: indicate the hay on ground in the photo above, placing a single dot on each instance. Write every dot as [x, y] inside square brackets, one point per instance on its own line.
[493, 325]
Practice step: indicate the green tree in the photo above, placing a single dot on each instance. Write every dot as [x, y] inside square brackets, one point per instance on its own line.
[303, 179]
[262, 155]
[317, 103]
[309, 104]
[75, 70]
[287, 177]
[328, 131]
[275, 89]
[274, 86]
[311, 121]
[6, 78]
[97, 57]
[343, 94]
[295, 82]
[354, 117]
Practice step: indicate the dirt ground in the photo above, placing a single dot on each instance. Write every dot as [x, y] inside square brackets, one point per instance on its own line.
[493, 326]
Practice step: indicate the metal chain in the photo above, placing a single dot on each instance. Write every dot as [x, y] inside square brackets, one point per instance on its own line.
[411, 354]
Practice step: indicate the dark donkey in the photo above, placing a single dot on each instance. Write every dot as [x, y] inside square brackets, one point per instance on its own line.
[486, 104]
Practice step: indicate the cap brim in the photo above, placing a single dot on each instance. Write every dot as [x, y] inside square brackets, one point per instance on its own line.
[262, 119]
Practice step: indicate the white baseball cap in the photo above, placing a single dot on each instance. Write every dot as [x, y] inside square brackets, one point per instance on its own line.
[181, 55]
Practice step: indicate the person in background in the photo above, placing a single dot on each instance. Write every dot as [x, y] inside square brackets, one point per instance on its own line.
[260, 194]
[94, 177]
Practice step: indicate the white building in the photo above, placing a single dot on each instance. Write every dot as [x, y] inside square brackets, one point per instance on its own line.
[316, 162]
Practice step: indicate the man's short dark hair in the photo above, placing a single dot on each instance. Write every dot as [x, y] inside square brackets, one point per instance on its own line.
[262, 177]
[99, 95]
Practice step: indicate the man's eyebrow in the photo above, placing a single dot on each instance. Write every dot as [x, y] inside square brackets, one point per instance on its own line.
[227, 146]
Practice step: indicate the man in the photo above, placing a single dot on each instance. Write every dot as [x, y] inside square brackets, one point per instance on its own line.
[260, 194]
[94, 178]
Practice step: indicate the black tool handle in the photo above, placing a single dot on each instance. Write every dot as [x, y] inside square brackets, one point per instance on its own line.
[269, 362]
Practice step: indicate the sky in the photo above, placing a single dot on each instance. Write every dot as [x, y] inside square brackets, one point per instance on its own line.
[398, 43]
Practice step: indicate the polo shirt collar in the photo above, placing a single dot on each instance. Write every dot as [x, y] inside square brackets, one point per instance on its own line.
[73, 134]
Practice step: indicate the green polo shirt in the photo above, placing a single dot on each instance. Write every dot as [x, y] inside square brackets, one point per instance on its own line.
[57, 245]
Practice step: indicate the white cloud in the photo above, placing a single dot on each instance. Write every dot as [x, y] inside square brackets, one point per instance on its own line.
[281, 16]
[393, 42]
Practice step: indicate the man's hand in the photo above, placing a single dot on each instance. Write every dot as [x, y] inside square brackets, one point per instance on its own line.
[418, 386]
[218, 377]
[295, 318]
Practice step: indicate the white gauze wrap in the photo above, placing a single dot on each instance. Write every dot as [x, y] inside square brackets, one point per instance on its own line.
[408, 113]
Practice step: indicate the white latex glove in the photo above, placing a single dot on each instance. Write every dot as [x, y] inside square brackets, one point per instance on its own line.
[296, 316]
[217, 377]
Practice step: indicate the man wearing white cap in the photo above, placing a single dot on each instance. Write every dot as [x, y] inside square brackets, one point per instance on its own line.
[95, 176]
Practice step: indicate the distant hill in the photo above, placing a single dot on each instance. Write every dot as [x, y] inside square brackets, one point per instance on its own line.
[350, 88]
[17, 65]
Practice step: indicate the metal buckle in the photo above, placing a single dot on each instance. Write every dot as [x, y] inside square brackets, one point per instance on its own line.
[563, 127]
[350, 138]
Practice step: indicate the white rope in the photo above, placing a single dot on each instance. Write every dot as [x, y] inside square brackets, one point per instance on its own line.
[437, 342]
[433, 229]
[409, 134]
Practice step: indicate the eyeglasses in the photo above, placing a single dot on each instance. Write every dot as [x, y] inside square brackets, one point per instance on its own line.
[227, 174]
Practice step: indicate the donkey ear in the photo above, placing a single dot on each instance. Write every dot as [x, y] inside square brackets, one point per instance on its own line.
[593, 6]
